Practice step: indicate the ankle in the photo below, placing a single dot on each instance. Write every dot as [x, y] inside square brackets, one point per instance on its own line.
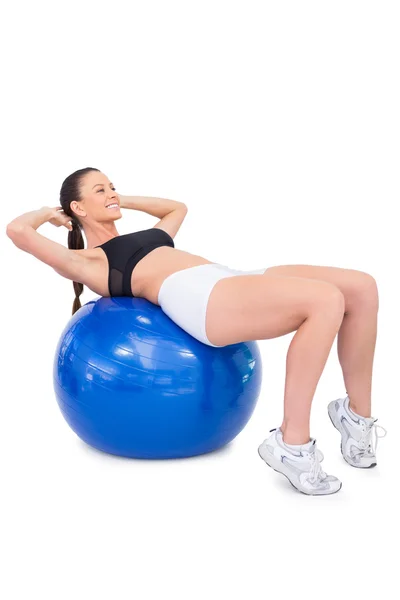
[294, 436]
[360, 412]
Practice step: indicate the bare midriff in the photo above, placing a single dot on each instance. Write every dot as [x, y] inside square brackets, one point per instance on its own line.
[148, 275]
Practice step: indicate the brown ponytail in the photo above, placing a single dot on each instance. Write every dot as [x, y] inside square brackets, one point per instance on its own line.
[76, 242]
[70, 191]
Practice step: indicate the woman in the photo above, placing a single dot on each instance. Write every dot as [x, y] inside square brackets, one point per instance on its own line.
[219, 306]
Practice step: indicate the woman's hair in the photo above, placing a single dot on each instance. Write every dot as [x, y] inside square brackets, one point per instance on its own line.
[70, 191]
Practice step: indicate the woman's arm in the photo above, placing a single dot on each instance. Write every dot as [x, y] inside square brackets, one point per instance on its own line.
[34, 218]
[22, 232]
[157, 207]
[172, 221]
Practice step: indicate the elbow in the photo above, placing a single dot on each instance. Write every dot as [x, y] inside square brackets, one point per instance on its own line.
[14, 232]
[11, 230]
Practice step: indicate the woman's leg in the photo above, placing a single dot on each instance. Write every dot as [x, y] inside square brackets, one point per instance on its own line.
[305, 361]
[254, 307]
[357, 334]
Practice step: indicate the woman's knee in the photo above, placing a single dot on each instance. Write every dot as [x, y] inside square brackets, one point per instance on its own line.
[365, 292]
[330, 300]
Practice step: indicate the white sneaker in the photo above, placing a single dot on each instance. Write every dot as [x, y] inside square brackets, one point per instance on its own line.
[358, 445]
[301, 466]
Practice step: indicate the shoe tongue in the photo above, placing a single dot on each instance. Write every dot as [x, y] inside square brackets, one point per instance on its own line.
[370, 421]
[309, 447]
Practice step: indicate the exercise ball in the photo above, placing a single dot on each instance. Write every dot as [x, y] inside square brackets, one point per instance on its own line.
[129, 381]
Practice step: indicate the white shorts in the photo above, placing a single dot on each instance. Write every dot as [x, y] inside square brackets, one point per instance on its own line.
[184, 296]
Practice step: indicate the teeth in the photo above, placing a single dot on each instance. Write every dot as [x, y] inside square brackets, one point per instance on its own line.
[111, 205]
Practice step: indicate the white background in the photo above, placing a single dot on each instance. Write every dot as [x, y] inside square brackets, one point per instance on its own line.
[277, 123]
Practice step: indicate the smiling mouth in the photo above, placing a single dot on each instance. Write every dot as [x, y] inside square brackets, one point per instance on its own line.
[113, 205]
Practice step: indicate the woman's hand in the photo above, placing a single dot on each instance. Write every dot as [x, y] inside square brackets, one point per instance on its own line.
[58, 217]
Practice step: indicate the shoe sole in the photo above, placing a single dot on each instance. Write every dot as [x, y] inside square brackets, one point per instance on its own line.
[291, 483]
[340, 430]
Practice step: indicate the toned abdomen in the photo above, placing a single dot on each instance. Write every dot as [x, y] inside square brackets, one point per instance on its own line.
[150, 273]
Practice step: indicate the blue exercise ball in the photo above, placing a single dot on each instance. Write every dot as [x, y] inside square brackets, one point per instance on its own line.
[129, 381]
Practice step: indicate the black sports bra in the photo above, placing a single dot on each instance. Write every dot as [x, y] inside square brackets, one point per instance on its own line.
[125, 251]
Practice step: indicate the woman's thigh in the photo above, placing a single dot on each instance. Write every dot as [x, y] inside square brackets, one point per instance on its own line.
[254, 307]
[355, 285]
[219, 306]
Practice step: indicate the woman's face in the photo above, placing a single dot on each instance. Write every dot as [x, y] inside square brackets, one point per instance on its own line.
[97, 193]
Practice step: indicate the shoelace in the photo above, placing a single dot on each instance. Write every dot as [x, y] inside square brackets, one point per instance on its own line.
[368, 439]
[316, 472]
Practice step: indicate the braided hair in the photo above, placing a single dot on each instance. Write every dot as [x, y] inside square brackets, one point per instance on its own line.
[70, 191]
